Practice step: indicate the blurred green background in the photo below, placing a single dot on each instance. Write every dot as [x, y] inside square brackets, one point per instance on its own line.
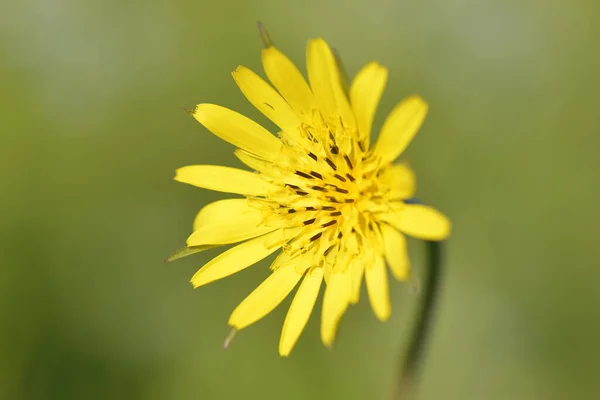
[92, 129]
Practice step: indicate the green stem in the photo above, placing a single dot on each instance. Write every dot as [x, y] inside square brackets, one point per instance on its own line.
[410, 365]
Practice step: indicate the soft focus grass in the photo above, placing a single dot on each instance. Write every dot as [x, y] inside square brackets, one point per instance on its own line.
[92, 129]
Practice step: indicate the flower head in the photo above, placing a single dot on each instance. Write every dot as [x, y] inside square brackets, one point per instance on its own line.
[321, 193]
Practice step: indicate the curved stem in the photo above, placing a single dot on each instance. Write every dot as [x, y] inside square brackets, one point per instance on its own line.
[410, 365]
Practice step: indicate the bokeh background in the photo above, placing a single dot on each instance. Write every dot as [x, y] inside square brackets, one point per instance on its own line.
[92, 128]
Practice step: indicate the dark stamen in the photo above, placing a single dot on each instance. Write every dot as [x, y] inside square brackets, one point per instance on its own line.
[333, 199]
[335, 150]
[291, 211]
[292, 186]
[350, 177]
[361, 146]
[325, 225]
[336, 213]
[340, 190]
[339, 177]
[328, 208]
[312, 155]
[349, 201]
[301, 193]
[309, 221]
[304, 175]
[331, 164]
[316, 174]
[318, 235]
[309, 208]
[319, 188]
[348, 161]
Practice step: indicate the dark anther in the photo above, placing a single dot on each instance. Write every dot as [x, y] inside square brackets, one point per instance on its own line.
[291, 211]
[340, 235]
[350, 177]
[348, 161]
[328, 250]
[331, 164]
[325, 225]
[310, 208]
[361, 146]
[318, 235]
[292, 186]
[312, 155]
[316, 174]
[268, 105]
[319, 188]
[333, 199]
[309, 221]
[340, 190]
[335, 150]
[339, 177]
[336, 213]
[328, 208]
[349, 201]
[304, 175]
[301, 193]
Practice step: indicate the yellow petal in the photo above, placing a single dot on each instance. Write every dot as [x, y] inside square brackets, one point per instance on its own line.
[227, 221]
[237, 258]
[401, 180]
[325, 82]
[265, 298]
[377, 287]
[213, 212]
[238, 130]
[335, 303]
[400, 127]
[257, 164]
[365, 93]
[420, 221]
[224, 179]
[357, 270]
[286, 78]
[300, 310]
[395, 252]
[266, 99]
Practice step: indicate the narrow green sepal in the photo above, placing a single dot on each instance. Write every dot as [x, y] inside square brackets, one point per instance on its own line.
[188, 251]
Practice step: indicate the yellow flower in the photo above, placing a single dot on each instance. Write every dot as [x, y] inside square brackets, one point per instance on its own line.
[334, 204]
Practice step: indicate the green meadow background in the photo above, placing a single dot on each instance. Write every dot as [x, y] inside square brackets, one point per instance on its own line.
[92, 128]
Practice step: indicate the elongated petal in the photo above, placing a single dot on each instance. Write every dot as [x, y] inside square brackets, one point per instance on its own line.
[400, 127]
[401, 180]
[265, 298]
[224, 179]
[266, 99]
[238, 130]
[335, 303]
[365, 93]
[422, 222]
[377, 287]
[286, 78]
[237, 258]
[357, 269]
[395, 252]
[213, 213]
[300, 310]
[227, 221]
[324, 78]
[256, 163]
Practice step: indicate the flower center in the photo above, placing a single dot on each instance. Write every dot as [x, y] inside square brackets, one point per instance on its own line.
[330, 191]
